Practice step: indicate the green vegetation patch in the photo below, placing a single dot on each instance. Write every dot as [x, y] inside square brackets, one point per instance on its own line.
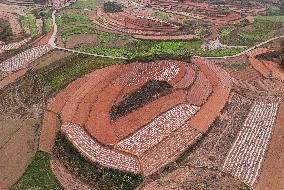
[67, 19]
[5, 30]
[29, 21]
[181, 50]
[235, 66]
[201, 31]
[263, 29]
[84, 4]
[99, 177]
[149, 92]
[45, 16]
[160, 15]
[226, 31]
[74, 23]
[38, 175]
[112, 7]
[64, 71]
[270, 18]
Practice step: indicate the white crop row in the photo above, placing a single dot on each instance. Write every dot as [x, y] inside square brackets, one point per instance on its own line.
[157, 130]
[23, 59]
[246, 155]
[142, 72]
[16, 45]
[97, 153]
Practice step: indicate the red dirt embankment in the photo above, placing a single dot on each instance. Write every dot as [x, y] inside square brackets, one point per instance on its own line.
[215, 103]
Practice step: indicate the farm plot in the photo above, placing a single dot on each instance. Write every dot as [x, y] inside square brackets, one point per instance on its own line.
[169, 149]
[162, 70]
[224, 78]
[247, 153]
[157, 130]
[215, 146]
[188, 78]
[200, 90]
[96, 152]
[16, 45]
[23, 59]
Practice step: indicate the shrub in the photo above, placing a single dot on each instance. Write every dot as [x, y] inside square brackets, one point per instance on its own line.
[112, 7]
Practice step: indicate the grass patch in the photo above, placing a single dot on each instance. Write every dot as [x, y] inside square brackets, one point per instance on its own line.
[84, 4]
[47, 25]
[74, 23]
[270, 18]
[160, 15]
[164, 49]
[67, 19]
[98, 177]
[226, 31]
[64, 71]
[38, 175]
[235, 66]
[29, 21]
[112, 7]
[263, 29]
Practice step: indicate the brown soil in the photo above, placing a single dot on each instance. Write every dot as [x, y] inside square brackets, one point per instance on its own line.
[185, 178]
[99, 123]
[57, 103]
[210, 110]
[272, 174]
[49, 58]
[49, 128]
[260, 67]
[12, 78]
[18, 151]
[84, 107]
[42, 40]
[78, 39]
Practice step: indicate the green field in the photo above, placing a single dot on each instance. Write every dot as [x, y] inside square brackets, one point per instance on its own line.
[167, 49]
[74, 23]
[262, 29]
[64, 71]
[29, 21]
[38, 175]
[84, 4]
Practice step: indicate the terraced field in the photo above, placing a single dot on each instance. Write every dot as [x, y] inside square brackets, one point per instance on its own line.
[143, 94]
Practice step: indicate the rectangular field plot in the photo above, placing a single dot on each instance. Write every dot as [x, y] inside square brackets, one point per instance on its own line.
[247, 153]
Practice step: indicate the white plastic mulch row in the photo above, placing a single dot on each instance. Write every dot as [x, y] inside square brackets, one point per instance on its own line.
[157, 130]
[97, 153]
[142, 72]
[167, 151]
[247, 153]
[23, 59]
[16, 45]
